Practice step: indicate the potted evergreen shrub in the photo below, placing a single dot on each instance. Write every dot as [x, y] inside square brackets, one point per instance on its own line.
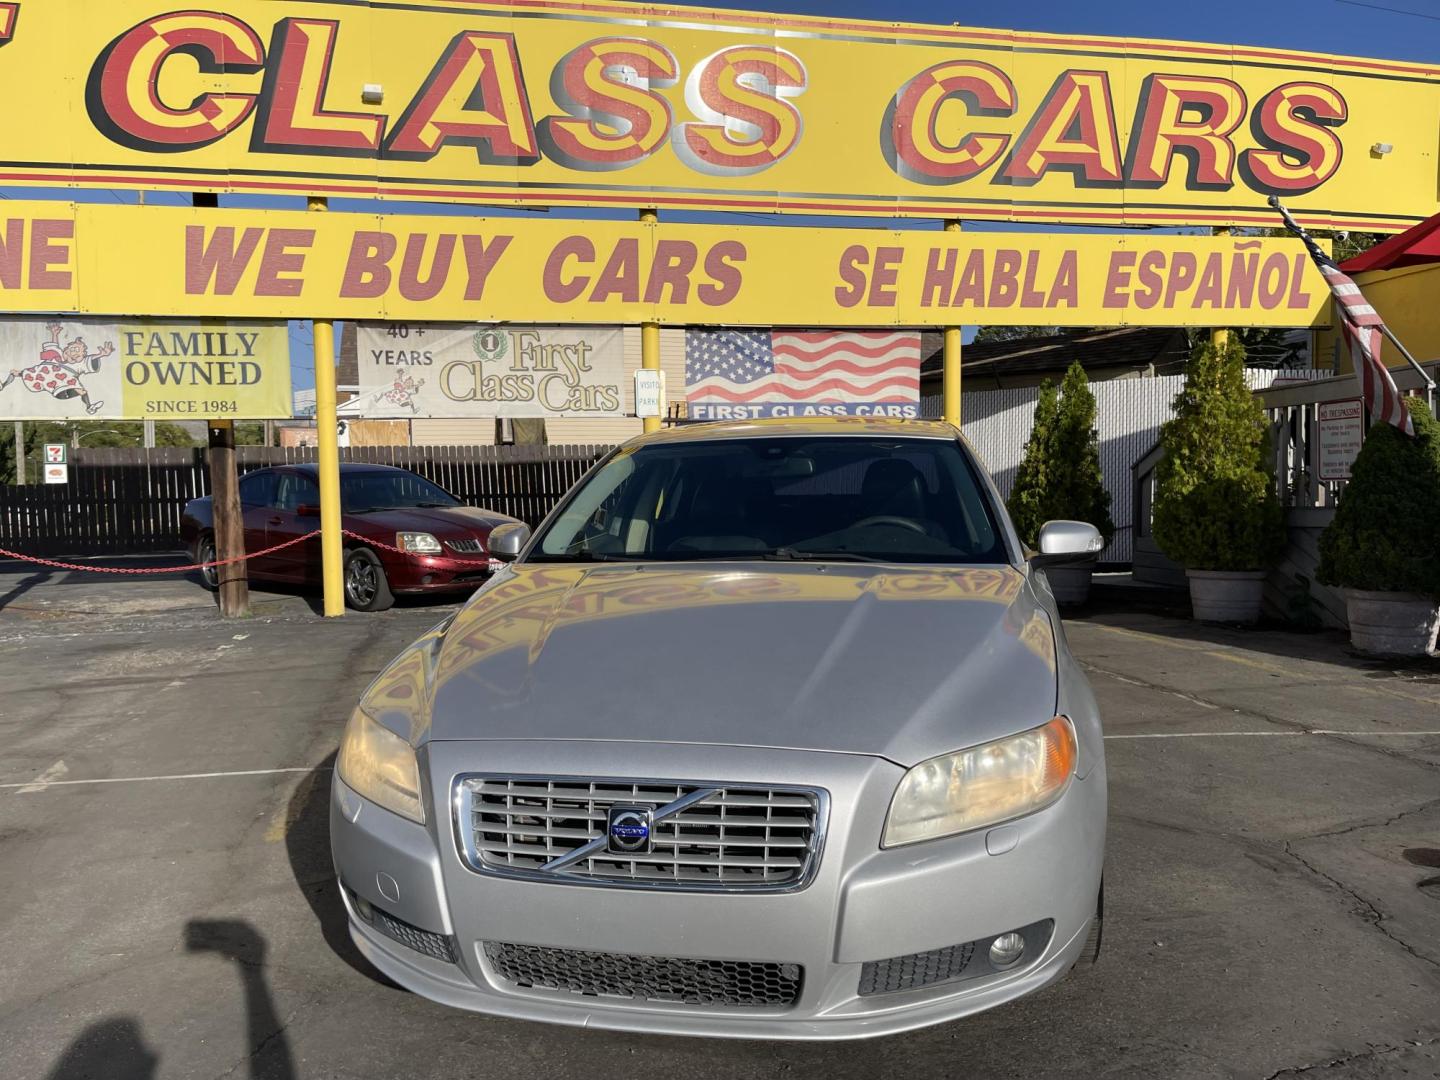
[1059, 477]
[1382, 549]
[1216, 511]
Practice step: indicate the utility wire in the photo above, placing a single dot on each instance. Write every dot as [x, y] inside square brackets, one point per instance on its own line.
[1392, 11]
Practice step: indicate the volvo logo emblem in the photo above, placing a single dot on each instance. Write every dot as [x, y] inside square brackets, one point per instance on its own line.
[629, 829]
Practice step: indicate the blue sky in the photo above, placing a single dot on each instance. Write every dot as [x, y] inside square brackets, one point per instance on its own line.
[1391, 29]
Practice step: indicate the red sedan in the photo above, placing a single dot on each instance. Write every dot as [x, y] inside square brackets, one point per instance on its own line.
[421, 538]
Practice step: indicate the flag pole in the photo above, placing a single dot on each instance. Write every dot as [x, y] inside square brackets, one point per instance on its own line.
[1294, 227]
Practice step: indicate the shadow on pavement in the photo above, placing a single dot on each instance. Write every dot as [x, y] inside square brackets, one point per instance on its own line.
[237, 940]
[13, 592]
[112, 1049]
[307, 843]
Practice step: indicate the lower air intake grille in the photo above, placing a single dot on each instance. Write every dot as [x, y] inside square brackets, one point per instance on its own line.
[916, 970]
[733, 983]
[425, 942]
[954, 963]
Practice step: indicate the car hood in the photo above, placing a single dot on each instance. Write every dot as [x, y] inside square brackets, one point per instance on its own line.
[899, 663]
[441, 520]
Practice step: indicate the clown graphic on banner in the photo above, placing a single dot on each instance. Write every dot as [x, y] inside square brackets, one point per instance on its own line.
[61, 369]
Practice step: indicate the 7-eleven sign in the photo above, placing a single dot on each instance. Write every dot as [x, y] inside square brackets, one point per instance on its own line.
[55, 453]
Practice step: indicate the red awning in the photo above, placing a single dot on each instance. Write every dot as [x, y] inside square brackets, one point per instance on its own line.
[1414, 247]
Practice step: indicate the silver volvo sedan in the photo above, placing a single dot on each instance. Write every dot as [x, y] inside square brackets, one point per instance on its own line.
[769, 731]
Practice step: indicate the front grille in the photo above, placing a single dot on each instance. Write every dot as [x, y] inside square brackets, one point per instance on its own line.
[469, 546]
[732, 983]
[722, 836]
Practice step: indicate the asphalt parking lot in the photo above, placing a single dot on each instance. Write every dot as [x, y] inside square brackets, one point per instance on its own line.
[1273, 900]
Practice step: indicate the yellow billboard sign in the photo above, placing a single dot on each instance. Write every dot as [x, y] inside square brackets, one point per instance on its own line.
[554, 103]
[58, 367]
[295, 265]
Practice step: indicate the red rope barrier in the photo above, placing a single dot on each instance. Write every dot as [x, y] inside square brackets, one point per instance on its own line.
[218, 562]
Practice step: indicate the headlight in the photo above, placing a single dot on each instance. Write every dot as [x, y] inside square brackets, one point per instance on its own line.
[982, 786]
[417, 543]
[381, 766]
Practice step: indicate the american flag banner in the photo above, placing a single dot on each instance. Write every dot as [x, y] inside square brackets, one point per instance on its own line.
[1362, 329]
[746, 374]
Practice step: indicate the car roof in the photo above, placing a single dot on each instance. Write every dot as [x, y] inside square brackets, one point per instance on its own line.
[849, 426]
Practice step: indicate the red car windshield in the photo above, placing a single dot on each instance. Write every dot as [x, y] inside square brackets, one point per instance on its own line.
[365, 492]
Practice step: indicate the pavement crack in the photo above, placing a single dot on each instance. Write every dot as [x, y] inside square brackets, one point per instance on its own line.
[1348, 1059]
[1364, 909]
[1432, 804]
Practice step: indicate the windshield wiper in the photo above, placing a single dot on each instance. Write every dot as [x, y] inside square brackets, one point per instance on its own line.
[790, 554]
[579, 556]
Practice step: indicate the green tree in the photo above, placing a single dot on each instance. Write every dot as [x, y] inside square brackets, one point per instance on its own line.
[1059, 476]
[90, 433]
[1029, 498]
[1385, 534]
[1215, 501]
[1014, 333]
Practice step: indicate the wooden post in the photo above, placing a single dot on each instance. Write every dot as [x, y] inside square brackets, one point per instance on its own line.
[327, 438]
[228, 523]
[226, 519]
[20, 452]
[950, 375]
[650, 343]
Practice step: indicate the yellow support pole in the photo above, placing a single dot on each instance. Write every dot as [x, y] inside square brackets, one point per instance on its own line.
[332, 549]
[1220, 337]
[650, 341]
[951, 374]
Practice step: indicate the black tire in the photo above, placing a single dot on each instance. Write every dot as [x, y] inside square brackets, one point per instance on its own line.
[366, 587]
[1090, 954]
[205, 552]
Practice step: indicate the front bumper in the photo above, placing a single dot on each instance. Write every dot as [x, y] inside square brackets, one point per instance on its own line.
[864, 904]
[411, 574]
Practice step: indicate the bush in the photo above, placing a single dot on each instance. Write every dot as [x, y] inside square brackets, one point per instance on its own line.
[1059, 476]
[1215, 501]
[1386, 532]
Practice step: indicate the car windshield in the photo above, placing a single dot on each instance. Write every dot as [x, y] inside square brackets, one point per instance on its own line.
[367, 491]
[856, 499]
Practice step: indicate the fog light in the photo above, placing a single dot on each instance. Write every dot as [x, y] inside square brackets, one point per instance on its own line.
[366, 912]
[1006, 949]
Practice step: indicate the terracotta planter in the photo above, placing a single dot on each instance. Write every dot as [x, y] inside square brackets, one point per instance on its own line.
[1228, 596]
[1391, 623]
[1070, 584]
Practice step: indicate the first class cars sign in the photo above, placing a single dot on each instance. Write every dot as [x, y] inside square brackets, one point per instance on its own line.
[446, 370]
[548, 103]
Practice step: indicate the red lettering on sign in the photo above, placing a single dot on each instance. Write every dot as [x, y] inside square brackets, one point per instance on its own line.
[292, 101]
[215, 265]
[367, 270]
[122, 95]
[281, 261]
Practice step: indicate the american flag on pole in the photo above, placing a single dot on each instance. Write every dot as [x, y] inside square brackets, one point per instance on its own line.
[742, 374]
[1361, 327]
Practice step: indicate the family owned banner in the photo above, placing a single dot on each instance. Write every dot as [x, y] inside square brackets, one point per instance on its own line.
[59, 367]
[447, 371]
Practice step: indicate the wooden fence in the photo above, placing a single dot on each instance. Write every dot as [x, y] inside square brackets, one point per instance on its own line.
[122, 502]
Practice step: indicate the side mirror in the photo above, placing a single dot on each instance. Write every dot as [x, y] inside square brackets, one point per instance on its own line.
[506, 541]
[1067, 541]
[307, 510]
